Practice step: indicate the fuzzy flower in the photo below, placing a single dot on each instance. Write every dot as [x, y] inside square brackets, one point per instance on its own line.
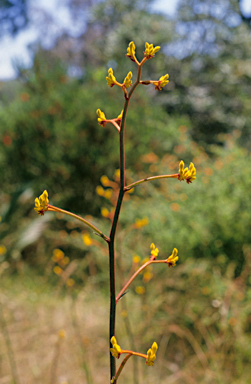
[119, 118]
[163, 80]
[131, 51]
[101, 118]
[187, 174]
[151, 354]
[111, 79]
[150, 51]
[127, 80]
[115, 350]
[154, 251]
[171, 260]
[41, 203]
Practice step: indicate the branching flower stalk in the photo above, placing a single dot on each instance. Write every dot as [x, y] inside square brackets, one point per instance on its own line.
[189, 174]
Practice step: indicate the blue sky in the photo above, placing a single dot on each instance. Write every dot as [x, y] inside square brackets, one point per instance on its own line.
[16, 49]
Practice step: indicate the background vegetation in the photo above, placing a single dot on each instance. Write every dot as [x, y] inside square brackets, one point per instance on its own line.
[54, 273]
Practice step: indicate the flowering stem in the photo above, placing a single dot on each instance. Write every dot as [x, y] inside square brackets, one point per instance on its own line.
[121, 367]
[174, 176]
[136, 274]
[96, 230]
[115, 220]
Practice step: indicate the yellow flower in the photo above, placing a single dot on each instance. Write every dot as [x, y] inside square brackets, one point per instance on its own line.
[141, 223]
[127, 80]
[154, 251]
[111, 79]
[163, 80]
[187, 174]
[150, 51]
[151, 354]
[105, 181]
[131, 51]
[115, 350]
[86, 239]
[101, 118]
[41, 203]
[171, 260]
[105, 212]
[119, 118]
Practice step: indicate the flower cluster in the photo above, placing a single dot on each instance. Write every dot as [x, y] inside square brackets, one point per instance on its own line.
[150, 51]
[151, 354]
[131, 51]
[187, 174]
[41, 203]
[115, 350]
[111, 79]
[154, 251]
[159, 84]
[101, 118]
[171, 260]
[127, 81]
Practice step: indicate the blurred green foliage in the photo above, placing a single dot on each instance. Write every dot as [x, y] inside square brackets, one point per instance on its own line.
[50, 139]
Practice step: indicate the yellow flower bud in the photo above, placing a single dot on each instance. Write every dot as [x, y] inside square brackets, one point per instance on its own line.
[127, 80]
[111, 79]
[150, 51]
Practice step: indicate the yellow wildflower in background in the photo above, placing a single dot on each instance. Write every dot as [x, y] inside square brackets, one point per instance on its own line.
[57, 254]
[141, 223]
[105, 212]
[151, 354]
[105, 181]
[150, 51]
[3, 249]
[41, 203]
[171, 260]
[115, 350]
[86, 239]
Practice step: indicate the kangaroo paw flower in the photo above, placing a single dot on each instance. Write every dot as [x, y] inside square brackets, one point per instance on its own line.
[171, 260]
[115, 350]
[131, 51]
[151, 354]
[111, 79]
[150, 51]
[163, 80]
[187, 174]
[154, 252]
[101, 118]
[127, 80]
[41, 203]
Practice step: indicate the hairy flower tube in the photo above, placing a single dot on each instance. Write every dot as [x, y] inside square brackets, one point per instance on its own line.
[150, 51]
[41, 203]
[111, 79]
[151, 354]
[115, 350]
[171, 260]
[187, 174]
[163, 80]
[101, 118]
[131, 51]
[127, 80]
[154, 251]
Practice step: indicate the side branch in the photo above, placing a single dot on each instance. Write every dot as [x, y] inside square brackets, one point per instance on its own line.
[96, 230]
[174, 176]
